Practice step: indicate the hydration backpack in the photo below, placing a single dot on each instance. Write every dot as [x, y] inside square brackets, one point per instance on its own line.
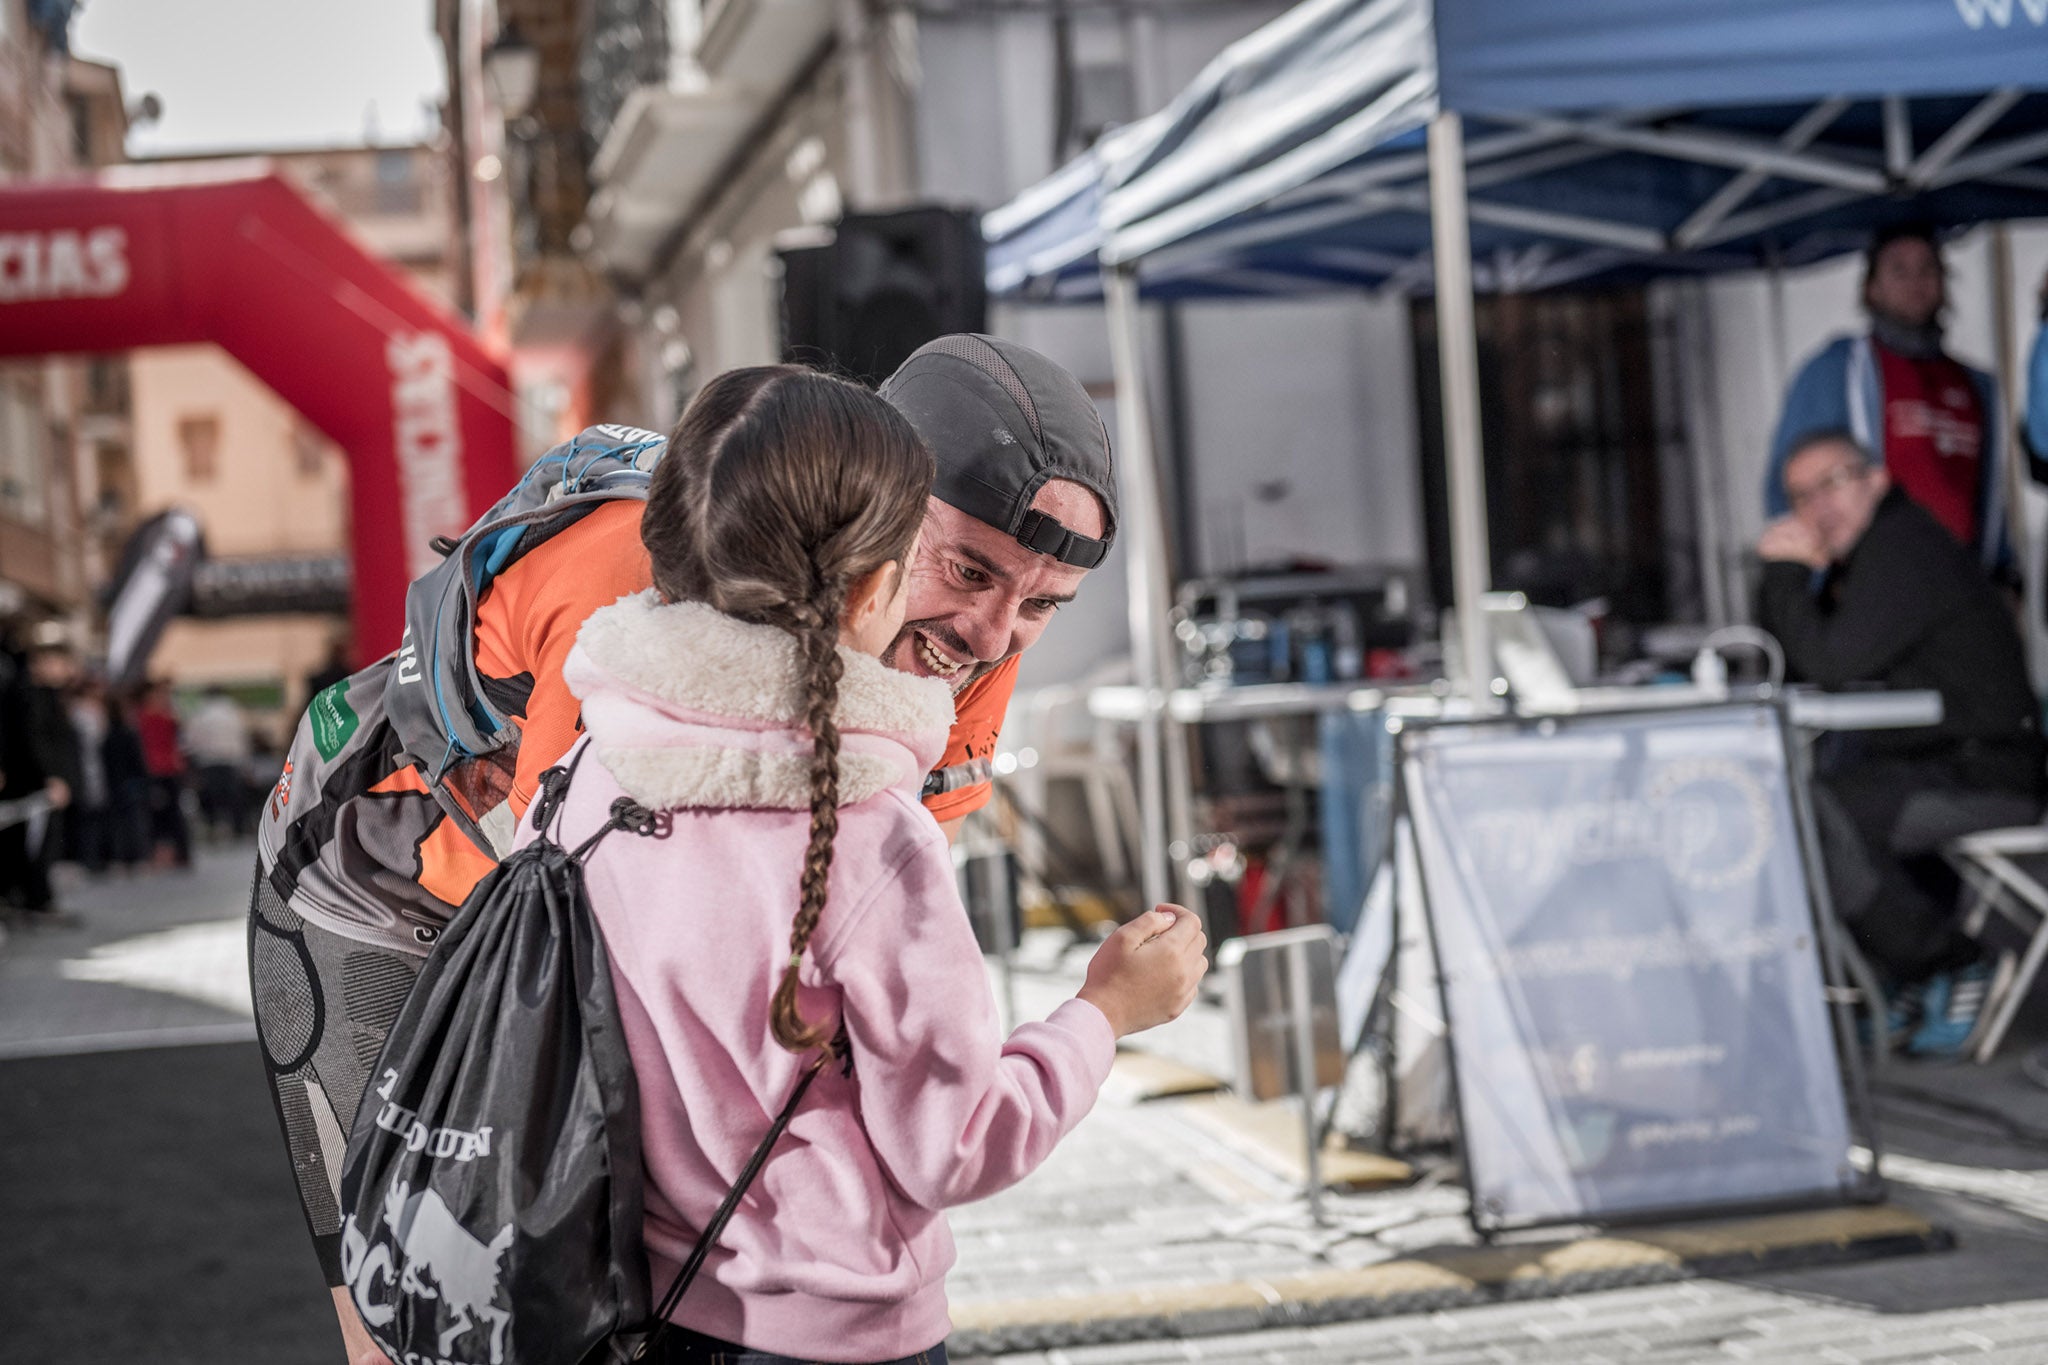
[439, 707]
[384, 756]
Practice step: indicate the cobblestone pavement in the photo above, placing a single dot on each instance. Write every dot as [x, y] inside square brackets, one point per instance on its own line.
[1157, 1194]
[1691, 1322]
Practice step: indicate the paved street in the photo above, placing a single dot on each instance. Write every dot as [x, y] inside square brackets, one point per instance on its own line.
[149, 1213]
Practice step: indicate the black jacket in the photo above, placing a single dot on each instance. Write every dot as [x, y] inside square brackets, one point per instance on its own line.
[53, 737]
[1909, 608]
[121, 752]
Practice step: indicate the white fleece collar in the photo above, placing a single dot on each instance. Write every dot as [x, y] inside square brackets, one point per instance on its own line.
[689, 707]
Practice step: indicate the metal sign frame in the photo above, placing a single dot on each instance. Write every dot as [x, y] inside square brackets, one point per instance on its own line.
[1305, 1056]
[1836, 976]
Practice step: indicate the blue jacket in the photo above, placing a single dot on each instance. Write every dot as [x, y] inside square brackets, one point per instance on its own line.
[2035, 425]
[1840, 389]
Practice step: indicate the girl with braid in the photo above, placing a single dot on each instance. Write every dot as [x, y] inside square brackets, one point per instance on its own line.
[797, 896]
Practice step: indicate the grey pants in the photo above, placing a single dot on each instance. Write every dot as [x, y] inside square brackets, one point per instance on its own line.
[324, 1004]
[1882, 822]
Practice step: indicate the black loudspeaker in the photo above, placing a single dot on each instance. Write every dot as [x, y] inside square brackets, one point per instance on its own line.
[806, 305]
[887, 284]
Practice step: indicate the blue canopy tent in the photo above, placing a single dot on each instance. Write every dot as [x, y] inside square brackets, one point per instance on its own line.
[1603, 136]
[1435, 145]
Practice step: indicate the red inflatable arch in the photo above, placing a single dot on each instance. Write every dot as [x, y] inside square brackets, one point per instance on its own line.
[233, 254]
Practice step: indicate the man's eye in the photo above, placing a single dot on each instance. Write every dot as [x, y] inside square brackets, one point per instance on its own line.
[1044, 606]
[972, 575]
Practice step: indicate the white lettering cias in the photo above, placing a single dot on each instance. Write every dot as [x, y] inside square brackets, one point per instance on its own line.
[63, 264]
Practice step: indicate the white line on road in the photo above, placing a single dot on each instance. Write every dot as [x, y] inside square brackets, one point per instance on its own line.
[190, 1035]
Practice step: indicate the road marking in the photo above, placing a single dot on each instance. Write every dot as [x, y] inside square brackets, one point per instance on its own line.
[189, 1035]
[207, 962]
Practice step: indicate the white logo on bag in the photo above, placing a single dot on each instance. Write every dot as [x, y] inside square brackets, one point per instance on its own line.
[460, 1144]
[408, 659]
[437, 1261]
[626, 435]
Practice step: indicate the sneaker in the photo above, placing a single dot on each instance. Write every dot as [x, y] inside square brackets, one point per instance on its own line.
[1956, 1007]
[1903, 1007]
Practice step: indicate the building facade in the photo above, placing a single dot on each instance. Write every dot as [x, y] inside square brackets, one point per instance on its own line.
[65, 478]
[669, 149]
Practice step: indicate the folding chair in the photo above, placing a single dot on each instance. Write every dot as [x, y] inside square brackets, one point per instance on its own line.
[2003, 871]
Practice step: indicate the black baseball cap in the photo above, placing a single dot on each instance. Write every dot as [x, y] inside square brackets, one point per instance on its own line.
[1002, 420]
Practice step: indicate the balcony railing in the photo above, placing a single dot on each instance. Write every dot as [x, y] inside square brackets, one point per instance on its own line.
[626, 47]
[548, 169]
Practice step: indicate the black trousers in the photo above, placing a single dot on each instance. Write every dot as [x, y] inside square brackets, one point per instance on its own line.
[167, 817]
[224, 799]
[25, 867]
[683, 1347]
[88, 836]
[1882, 823]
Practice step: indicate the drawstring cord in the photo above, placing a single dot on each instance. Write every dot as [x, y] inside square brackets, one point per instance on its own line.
[626, 813]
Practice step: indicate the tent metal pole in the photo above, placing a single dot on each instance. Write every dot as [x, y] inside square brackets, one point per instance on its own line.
[1458, 359]
[1696, 386]
[1898, 137]
[1962, 134]
[1987, 161]
[1736, 192]
[2006, 350]
[1719, 149]
[1145, 570]
[1778, 361]
[1788, 210]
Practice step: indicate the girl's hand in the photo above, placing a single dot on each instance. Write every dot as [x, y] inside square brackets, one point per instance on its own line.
[1146, 972]
[355, 1338]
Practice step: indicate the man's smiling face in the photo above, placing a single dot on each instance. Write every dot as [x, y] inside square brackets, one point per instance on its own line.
[978, 596]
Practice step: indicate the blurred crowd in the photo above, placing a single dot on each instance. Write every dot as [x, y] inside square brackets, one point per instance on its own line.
[112, 779]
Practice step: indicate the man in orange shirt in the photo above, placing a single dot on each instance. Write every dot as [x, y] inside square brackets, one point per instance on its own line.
[1023, 506]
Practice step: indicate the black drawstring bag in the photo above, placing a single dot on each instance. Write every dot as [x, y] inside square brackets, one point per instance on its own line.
[492, 1187]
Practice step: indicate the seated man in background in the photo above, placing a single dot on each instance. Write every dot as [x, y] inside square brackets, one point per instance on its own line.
[1899, 602]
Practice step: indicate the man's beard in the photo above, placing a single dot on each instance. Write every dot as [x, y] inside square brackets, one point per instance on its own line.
[902, 650]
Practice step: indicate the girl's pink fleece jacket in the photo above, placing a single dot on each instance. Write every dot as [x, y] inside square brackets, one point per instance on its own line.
[840, 1250]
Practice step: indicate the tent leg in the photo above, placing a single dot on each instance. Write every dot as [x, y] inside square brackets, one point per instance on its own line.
[1458, 358]
[1145, 570]
[1712, 507]
[2010, 381]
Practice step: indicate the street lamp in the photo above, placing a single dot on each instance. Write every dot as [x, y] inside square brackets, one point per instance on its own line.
[512, 66]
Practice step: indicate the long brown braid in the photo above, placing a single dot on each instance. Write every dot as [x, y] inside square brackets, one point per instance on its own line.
[822, 667]
[781, 488]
